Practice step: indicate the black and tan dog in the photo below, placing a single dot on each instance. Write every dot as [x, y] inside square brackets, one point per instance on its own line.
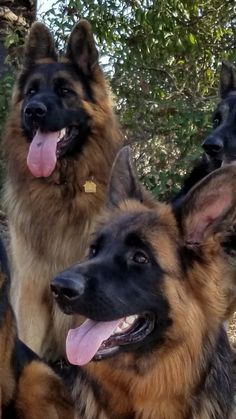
[29, 389]
[152, 290]
[220, 144]
[61, 139]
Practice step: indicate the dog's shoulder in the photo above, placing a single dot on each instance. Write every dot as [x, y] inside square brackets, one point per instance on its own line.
[215, 394]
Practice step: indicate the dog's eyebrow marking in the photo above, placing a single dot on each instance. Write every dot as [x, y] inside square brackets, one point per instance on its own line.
[62, 80]
[134, 240]
[99, 241]
[34, 82]
[37, 78]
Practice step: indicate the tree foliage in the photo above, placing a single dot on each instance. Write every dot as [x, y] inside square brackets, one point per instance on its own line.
[163, 60]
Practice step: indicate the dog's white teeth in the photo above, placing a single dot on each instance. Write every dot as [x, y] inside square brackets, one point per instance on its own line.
[62, 133]
[117, 330]
[131, 319]
[125, 324]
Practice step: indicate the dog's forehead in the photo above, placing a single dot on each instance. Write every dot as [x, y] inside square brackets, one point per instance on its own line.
[139, 222]
[228, 104]
[45, 70]
[49, 71]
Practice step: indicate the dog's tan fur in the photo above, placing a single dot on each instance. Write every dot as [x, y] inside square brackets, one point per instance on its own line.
[50, 219]
[7, 340]
[29, 389]
[41, 394]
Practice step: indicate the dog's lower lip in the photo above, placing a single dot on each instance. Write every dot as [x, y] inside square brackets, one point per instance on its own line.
[228, 161]
[106, 353]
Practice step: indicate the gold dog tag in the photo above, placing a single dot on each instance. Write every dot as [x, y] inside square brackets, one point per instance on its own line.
[90, 186]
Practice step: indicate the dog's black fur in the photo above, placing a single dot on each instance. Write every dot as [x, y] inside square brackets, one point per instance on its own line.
[221, 143]
[202, 168]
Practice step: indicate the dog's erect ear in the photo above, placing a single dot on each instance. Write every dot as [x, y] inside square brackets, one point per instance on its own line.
[39, 45]
[209, 205]
[123, 183]
[227, 79]
[81, 47]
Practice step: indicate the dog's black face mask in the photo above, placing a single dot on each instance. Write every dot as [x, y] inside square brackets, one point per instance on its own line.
[221, 143]
[56, 96]
[52, 107]
[119, 288]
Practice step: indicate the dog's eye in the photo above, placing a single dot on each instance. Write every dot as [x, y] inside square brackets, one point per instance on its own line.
[140, 257]
[64, 91]
[216, 122]
[93, 251]
[31, 91]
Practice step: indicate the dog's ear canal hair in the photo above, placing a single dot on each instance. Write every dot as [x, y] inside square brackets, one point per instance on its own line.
[227, 79]
[39, 45]
[209, 207]
[81, 49]
[124, 183]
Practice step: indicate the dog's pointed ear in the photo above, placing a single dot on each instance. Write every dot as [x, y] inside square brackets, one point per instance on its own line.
[207, 208]
[39, 45]
[227, 79]
[81, 48]
[124, 183]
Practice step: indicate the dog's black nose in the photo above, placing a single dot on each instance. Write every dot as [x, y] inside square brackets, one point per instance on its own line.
[213, 145]
[35, 111]
[68, 286]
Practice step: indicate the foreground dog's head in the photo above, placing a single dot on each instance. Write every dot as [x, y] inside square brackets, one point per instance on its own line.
[153, 278]
[220, 145]
[61, 100]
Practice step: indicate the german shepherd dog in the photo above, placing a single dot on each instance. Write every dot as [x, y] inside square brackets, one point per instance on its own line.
[220, 149]
[153, 295]
[61, 139]
[29, 389]
[220, 144]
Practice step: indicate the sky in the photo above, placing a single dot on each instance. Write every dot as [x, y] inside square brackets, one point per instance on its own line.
[44, 5]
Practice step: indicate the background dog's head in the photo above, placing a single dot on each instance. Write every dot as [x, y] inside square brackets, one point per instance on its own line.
[61, 99]
[153, 277]
[221, 143]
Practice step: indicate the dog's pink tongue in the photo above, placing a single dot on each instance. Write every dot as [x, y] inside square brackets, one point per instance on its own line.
[42, 157]
[83, 342]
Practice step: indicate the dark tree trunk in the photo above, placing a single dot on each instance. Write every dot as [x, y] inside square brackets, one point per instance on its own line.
[15, 18]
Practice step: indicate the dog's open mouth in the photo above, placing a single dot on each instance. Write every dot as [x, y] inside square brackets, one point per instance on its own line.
[99, 340]
[46, 147]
